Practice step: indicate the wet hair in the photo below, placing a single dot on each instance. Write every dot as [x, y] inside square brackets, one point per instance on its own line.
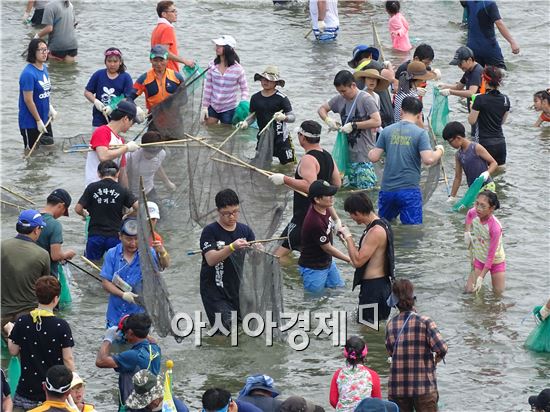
[492, 198]
[46, 288]
[226, 197]
[543, 95]
[122, 67]
[152, 137]
[107, 168]
[231, 56]
[313, 127]
[162, 6]
[32, 48]
[424, 51]
[59, 376]
[215, 398]
[139, 323]
[358, 203]
[493, 76]
[343, 78]
[354, 348]
[404, 291]
[411, 105]
[452, 130]
[393, 7]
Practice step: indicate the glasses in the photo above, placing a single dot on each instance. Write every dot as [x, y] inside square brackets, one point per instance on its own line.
[229, 214]
[43, 50]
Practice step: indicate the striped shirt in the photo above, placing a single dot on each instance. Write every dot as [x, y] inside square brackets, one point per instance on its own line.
[220, 90]
[398, 101]
[412, 371]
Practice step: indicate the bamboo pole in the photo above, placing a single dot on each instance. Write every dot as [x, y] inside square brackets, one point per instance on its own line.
[116, 146]
[38, 139]
[90, 263]
[252, 242]
[12, 204]
[18, 195]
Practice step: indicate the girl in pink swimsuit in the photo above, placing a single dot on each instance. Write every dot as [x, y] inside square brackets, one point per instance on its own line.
[483, 234]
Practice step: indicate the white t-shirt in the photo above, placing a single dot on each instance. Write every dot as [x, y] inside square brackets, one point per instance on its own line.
[102, 136]
[331, 17]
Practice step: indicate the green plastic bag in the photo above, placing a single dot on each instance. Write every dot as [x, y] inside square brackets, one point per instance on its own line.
[469, 197]
[241, 112]
[440, 112]
[340, 152]
[65, 298]
[539, 338]
[14, 373]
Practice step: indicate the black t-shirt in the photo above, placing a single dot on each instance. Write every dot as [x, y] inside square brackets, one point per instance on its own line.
[105, 201]
[5, 388]
[40, 350]
[266, 107]
[221, 282]
[472, 78]
[492, 107]
[316, 231]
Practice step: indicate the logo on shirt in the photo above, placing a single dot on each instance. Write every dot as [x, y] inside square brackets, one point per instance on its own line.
[107, 95]
[46, 86]
[323, 239]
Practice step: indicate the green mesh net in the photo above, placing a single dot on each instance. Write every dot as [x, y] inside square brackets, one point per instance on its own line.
[340, 152]
[440, 112]
[539, 339]
[470, 196]
[241, 112]
[65, 298]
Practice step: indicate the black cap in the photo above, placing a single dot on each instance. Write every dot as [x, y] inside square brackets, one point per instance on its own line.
[60, 195]
[541, 401]
[321, 188]
[461, 54]
[128, 107]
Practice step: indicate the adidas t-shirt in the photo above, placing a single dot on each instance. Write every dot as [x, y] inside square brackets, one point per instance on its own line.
[38, 82]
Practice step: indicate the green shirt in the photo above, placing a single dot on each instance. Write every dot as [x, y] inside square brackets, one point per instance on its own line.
[51, 234]
[23, 262]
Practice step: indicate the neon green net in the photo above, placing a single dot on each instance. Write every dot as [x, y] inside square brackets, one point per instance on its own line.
[539, 339]
[440, 112]
[340, 152]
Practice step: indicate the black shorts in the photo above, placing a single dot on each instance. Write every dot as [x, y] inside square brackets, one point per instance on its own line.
[30, 136]
[284, 151]
[294, 233]
[37, 17]
[61, 54]
[375, 291]
[498, 151]
[223, 307]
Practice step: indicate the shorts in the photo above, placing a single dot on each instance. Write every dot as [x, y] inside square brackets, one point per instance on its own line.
[293, 233]
[498, 151]
[361, 175]
[30, 136]
[375, 291]
[61, 54]
[97, 245]
[495, 268]
[423, 403]
[37, 17]
[224, 117]
[223, 307]
[315, 280]
[284, 151]
[407, 203]
[329, 34]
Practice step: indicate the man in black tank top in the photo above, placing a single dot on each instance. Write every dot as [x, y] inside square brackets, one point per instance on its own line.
[315, 164]
[374, 259]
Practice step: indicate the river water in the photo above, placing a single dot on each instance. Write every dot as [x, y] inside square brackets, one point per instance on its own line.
[486, 367]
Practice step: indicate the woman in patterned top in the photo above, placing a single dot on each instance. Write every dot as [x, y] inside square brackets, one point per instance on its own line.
[354, 382]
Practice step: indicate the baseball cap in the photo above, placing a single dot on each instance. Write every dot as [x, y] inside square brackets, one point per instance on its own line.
[31, 218]
[299, 404]
[541, 401]
[77, 380]
[225, 40]
[321, 188]
[127, 107]
[129, 226]
[461, 54]
[154, 212]
[373, 51]
[158, 51]
[60, 195]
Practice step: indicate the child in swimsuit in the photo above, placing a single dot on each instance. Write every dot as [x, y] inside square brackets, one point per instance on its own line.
[483, 234]
[541, 102]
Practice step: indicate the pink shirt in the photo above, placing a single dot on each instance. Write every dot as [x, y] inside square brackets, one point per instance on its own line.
[486, 239]
[221, 90]
[399, 31]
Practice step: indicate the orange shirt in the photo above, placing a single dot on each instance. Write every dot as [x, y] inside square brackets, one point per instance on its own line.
[165, 34]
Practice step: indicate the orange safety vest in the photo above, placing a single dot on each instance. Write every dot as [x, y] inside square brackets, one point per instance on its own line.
[156, 91]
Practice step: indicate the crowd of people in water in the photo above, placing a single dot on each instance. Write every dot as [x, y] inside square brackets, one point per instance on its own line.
[379, 114]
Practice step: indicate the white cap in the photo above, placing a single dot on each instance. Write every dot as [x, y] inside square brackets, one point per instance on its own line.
[154, 212]
[225, 40]
[77, 380]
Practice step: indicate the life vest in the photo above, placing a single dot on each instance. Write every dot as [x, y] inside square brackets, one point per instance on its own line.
[158, 90]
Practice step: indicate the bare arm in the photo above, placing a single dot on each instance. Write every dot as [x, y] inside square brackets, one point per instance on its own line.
[331, 250]
[465, 93]
[123, 178]
[104, 153]
[308, 169]
[429, 157]
[507, 35]
[90, 96]
[458, 178]
[68, 359]
[323, 111]
[370, 244]
[30, 5]
[57, 253]
[27, 98]
[46, 30]
[335, 179]
[375, 154]
[161, 174]
[175, 57]
[472, 117]
[322, 9]
[485, 155]
[79, 209]
[104, 358]
[213, 257]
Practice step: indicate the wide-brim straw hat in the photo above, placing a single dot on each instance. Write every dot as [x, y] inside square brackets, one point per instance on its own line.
[418, 71]
[270, 73]
[383, 83]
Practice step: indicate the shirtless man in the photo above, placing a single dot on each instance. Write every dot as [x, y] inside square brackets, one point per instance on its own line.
[373, 260]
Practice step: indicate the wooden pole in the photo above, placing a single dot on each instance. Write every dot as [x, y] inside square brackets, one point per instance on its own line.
[378, 41]
[38, 139]
[12, 204]
[116, 146]
[252, 242]
[269, 123]
[90, 263]
[18, 195]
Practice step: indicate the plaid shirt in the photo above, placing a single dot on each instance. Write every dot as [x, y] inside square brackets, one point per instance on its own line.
[412, 371]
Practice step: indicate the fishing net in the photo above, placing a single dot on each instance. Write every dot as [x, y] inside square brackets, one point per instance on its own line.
[386, 107]
[261, 286]
[469, 197]
[340, 152]
[76, 143]
[241, 112]
[440, 112]
[264, 151]
[429, 179]
[539, 338]
[65, 298]
[154, 292]
[179, 113]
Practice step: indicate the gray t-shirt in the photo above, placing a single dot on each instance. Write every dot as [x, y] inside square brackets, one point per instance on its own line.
[364, 107]
[402, 142]
[63, 36]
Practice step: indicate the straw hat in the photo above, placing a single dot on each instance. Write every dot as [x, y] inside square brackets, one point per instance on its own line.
[383, 83]
[417, 70]
[270, 73]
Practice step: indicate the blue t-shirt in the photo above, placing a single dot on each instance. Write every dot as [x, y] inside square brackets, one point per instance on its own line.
[36, 81]
[138, 358]
[115, 264]
[402, 143]
[105, 89]
[482, 16]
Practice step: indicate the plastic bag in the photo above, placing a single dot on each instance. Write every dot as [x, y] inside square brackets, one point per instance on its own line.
[340, 152]
[539, 339]
[65, 298]
[469, 197]
[241, 112]
[440, 112]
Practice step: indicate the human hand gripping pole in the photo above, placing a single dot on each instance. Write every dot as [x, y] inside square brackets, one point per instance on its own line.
[44, 130]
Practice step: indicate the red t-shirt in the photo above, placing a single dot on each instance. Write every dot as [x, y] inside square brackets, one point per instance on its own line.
[544, 117]
[166, 35]
[102, 136]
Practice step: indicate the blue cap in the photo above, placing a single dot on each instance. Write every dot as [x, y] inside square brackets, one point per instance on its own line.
[362, 48]
[31, 218]
[159, 51]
